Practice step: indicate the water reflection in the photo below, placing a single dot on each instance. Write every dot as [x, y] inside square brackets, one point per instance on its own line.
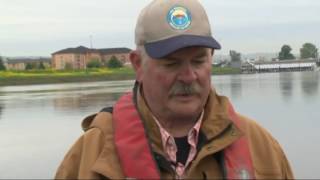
[65, 97]
[286, 84]
[310, 83]
[236, 86]
[82, 102]
[44, 110]
[1, 109]
[1, 104]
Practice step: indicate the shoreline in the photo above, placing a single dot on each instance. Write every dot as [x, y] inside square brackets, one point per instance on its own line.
[15, 78]
[57, 80]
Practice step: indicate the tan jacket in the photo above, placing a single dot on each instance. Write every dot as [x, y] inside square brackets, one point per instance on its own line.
[94, 156]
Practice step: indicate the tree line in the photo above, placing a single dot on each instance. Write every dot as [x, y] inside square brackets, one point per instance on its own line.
[2, 66]
[308, 50]
[114, 62]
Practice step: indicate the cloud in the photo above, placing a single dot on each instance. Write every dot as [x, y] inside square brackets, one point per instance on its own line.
[63, 23]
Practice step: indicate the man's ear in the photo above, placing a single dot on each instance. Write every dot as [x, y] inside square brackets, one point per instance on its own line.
[136, 61]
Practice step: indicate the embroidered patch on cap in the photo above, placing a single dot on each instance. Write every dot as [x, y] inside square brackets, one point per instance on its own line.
[179, 18]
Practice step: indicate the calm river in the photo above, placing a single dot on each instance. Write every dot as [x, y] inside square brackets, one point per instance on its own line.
[39, 123]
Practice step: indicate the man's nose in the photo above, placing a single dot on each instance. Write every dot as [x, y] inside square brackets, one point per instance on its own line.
[187, 73]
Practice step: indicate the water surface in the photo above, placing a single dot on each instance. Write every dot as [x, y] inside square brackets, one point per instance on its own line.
[39, 123]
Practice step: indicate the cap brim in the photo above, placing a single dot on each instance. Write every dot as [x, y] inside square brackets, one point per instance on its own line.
[165, 47]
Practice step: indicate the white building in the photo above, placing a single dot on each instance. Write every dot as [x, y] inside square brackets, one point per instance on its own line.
[278, 66]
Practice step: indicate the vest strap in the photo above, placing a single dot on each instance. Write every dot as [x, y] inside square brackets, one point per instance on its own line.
[131, 141]
[237, 157]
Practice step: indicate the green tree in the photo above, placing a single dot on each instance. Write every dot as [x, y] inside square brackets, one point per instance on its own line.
[308, 50]
[2, 66]
[29, 66]
[285, 53]
[41, 66]
[114, 63]
[95, 63]
[235, 56]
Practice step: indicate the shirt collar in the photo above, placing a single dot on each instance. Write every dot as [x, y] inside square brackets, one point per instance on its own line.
[193, 133]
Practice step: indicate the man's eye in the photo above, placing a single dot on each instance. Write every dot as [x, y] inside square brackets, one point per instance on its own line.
[199, 61]
[171, 64]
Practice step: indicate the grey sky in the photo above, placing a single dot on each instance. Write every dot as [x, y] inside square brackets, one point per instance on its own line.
[41, 27]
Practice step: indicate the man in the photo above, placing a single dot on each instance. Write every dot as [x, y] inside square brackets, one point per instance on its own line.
[173, 124]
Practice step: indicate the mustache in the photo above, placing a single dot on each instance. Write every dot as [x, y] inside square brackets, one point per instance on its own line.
[185, 89]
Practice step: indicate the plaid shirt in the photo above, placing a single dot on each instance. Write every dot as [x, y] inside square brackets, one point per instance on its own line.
[171, 149]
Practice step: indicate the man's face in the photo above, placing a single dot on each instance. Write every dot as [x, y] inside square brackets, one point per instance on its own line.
[178, 85]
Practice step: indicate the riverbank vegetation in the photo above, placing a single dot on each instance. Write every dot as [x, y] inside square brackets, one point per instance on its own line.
[49, 76]
[64, 76]
[225, 70]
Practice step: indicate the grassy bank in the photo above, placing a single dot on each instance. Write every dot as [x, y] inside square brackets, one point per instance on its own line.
[8, 78]
[54, 76]
[225, 70]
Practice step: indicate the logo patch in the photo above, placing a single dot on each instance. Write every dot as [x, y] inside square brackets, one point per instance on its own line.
[179, 18]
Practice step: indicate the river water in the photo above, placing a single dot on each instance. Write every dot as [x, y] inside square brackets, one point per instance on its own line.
[39, 123]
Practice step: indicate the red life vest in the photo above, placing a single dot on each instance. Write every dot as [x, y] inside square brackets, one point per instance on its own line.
[135, 152]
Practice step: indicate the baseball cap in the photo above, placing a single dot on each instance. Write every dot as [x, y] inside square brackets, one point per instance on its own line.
[165, 26]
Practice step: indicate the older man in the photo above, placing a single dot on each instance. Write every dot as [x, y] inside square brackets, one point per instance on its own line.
[173, 124]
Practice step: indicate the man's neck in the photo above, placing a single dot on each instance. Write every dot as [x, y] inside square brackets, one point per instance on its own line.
[178, 126]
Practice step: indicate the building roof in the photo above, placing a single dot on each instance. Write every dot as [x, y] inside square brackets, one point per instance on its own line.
[77, 50]
[114, 50]
[28, 60]
[84, 50]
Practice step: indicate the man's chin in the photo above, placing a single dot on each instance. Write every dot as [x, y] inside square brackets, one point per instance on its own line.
[186, 112]
[184, 98]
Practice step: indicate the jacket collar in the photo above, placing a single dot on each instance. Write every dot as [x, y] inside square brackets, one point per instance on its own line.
[152, 129]
[216, 118]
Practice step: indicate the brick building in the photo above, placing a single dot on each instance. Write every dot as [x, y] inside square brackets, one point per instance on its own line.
[79, 57]
[21, 63]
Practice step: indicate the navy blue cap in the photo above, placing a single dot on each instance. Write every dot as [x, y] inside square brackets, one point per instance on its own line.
[162, 48]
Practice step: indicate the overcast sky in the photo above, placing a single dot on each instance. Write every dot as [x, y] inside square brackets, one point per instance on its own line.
[41, 27]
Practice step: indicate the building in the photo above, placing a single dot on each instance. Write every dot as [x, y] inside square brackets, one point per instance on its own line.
[79, 57]
[21, 63]
[235, 64]
[280, 66]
